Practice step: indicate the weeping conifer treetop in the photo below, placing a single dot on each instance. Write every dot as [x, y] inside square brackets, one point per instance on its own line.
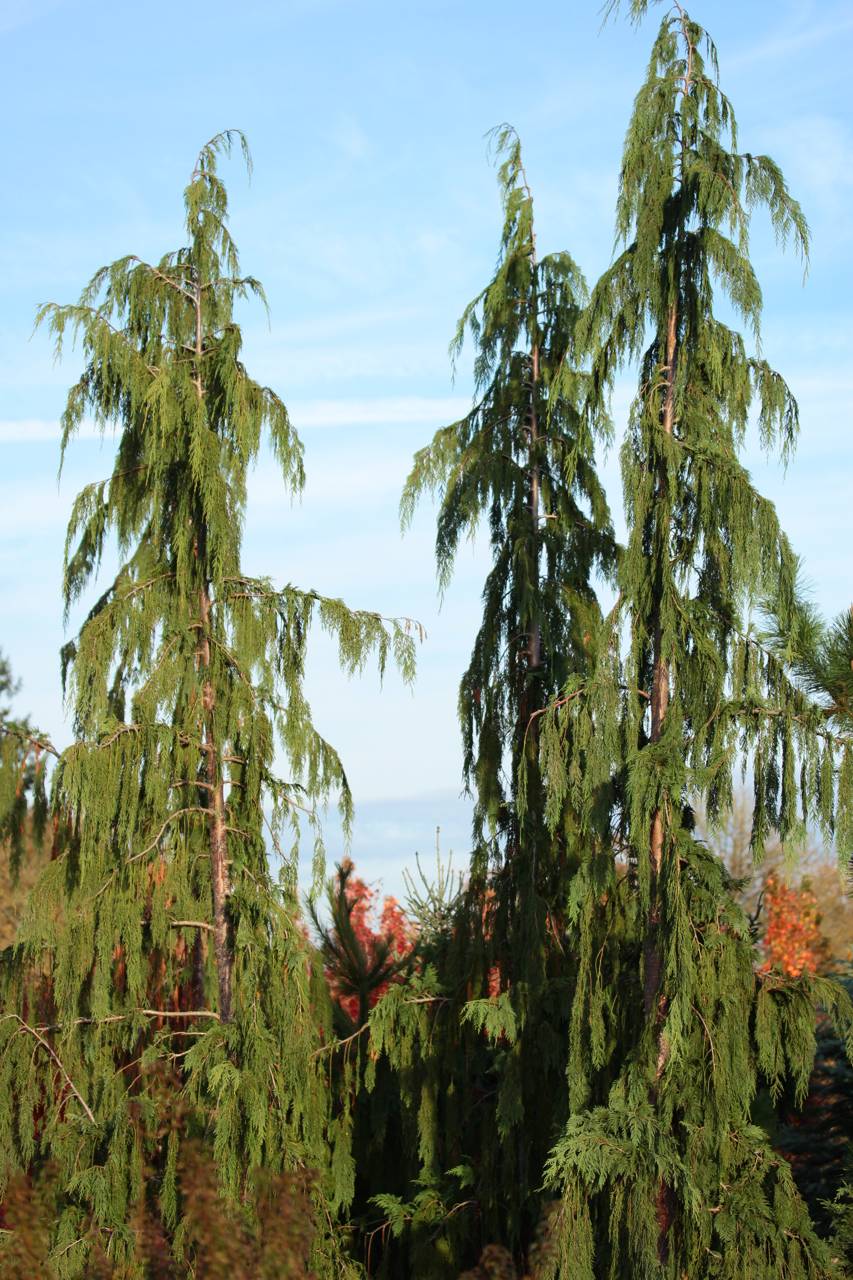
[670, 1178]
[176, 996]
[636, 9]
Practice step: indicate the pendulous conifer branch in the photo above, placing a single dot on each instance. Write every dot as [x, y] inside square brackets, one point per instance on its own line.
[25, 1028]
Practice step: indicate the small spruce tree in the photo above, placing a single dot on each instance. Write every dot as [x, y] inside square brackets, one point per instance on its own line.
[161, 989]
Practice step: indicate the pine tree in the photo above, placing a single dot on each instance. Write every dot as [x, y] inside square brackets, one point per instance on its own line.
[520, 462]
[671, 1177]
[162, 985]
[360, 961]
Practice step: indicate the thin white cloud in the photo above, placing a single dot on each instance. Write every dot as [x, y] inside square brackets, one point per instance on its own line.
[376, 411]
[20, 13]
[817, 155]
[325, 325]
[393, 410]
[349, 137]
[37, 509]
[792, 42]
[40, 430]
[351, 481]
[28, 431]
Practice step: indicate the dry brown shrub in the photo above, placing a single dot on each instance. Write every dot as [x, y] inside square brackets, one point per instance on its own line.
[267, 1238]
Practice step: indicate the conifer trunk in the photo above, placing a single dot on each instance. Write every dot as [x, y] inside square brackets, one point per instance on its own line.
[654, 1000]
[535, 648]
[215, 797]
[529, 728]
[219, 874]
[660, 693]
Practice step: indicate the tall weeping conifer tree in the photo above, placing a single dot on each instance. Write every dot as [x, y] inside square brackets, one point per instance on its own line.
[161, 988]
[519, 463]
[670, 1177]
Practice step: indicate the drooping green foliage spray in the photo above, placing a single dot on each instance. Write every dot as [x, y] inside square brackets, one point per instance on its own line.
[487, 1095]
[161, 988]
[670, 1177]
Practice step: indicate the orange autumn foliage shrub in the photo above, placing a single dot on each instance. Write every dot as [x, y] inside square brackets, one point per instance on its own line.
[793, 940]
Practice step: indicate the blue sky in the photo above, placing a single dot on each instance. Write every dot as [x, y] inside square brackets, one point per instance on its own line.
[372, 218]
